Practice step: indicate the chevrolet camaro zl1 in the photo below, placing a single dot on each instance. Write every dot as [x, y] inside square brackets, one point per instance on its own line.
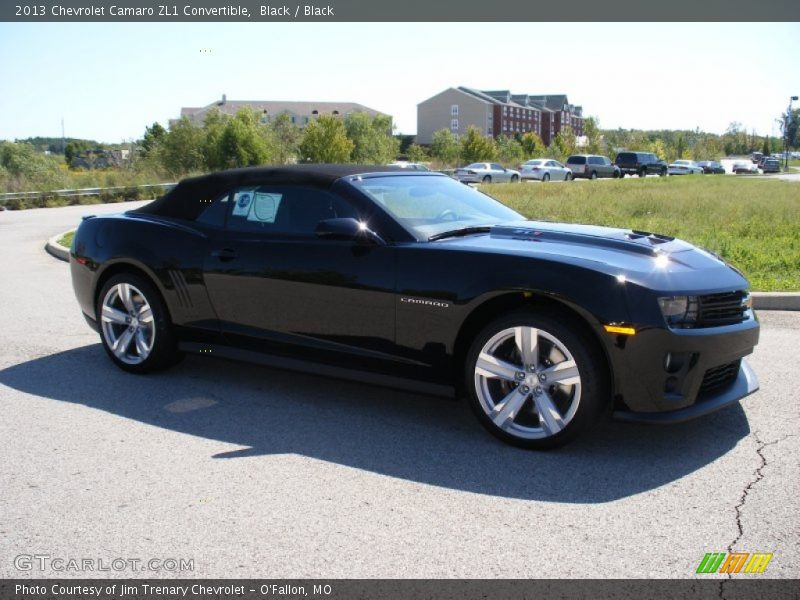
[413, 280]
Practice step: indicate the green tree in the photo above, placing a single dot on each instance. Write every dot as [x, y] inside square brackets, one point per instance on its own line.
[416, 153]
[476, 147]
[245, 141]
[563, 144]
[153, 136]
[182, 149]
[509, 151]
[373, 142]
[532, 145]
[591, 129]
[76, 148]
[214, 125]
[287, 138]
[766, 148]
[325, 141]
[445, 147]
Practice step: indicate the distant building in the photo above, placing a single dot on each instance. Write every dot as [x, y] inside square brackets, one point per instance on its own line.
[496, 113]
[299, 112]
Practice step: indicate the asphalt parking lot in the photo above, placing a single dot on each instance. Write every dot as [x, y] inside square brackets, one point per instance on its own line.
[256, 472]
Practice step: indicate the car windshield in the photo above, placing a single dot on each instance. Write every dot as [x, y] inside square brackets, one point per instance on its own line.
[429, 205]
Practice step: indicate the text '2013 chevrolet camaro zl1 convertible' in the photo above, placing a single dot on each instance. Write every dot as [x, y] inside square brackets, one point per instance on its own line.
[414, 280]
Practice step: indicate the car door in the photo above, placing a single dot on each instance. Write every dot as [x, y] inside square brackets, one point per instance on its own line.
[499, 173]
[278, 288]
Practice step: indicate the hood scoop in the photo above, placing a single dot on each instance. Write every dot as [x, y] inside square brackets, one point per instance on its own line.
[639, 242]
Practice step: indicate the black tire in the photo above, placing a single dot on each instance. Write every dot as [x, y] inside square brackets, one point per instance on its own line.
[593, 175]
[663, 173]
[486, 179]
[545, 177]
[621, 175]
[643, 173]
[569, 177]
[164, 352]
[514, 179]
[594, 376]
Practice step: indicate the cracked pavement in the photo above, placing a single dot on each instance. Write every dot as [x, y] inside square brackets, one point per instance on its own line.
[258, 472]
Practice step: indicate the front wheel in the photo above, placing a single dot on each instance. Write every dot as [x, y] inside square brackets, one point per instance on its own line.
[568, 177]
[593, 175]
[663, 173]
[536, 379]
[487, 179]
[135, 327]
[546, 177]
[514, 179]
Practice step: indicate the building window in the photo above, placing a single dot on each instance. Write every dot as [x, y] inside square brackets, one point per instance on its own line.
[454, 124]
[454, 110]
[505, 111]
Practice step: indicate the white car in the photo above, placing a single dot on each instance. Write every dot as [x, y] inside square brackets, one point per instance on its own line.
[411, 166]
[486, 173]
[685, 167]
[545, 169]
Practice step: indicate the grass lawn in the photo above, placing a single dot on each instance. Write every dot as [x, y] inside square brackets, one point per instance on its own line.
[752, 223]
[66, 239]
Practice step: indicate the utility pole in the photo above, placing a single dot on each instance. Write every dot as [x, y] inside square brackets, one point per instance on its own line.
[786, 125]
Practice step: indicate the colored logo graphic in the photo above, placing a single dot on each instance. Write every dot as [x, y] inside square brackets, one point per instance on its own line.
[736, 562]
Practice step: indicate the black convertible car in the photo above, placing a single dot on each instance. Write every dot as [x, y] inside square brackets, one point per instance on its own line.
[415, 280]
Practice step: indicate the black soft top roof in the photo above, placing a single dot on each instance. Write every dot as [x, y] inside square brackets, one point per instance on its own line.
[187, 199]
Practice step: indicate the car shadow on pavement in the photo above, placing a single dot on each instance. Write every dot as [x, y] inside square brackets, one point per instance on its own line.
[423, 439]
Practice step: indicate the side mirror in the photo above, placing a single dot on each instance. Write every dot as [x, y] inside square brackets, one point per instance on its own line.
[347, 229]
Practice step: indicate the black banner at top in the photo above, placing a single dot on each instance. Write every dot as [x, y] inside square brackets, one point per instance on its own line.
[398, 10]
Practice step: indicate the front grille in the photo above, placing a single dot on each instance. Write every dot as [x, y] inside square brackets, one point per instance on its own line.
[720, 309]
[720, 376]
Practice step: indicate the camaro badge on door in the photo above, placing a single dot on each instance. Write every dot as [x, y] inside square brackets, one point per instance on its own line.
[425, 302]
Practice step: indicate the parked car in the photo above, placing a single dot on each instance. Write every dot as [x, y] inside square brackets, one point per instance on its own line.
[545, 169]
[640, 163]
[411, 166]
[592, 166]
[711, 167]
[761, 161]
[411, 279]
[744, 168]
[486, 173]
[771, 165]
[685, 167]
[756, 156]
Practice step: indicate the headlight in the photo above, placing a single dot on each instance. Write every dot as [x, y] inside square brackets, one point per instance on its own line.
[679, 311]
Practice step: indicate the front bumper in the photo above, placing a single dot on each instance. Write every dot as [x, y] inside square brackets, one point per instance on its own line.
[745, 384]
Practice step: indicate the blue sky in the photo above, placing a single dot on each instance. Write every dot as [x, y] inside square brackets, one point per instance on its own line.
[108, 80]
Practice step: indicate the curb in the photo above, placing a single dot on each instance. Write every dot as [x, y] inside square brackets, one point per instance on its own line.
[761, 300]
[776, 300]
[57, 250]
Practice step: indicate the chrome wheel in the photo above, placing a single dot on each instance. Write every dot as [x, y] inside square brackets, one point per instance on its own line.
[527, 382]
[127, 323]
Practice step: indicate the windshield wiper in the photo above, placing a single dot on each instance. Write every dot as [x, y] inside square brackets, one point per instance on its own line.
[460, 232]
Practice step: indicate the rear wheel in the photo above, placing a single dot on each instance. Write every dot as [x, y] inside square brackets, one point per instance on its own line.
[535, 379]
[134, 325]
[546, 177]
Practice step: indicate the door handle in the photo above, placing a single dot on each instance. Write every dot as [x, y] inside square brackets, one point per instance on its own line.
[225, 254]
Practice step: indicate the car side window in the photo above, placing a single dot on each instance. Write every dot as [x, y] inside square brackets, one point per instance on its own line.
[284, 210]
[214, 214]
[594, 160]
[497, 167]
